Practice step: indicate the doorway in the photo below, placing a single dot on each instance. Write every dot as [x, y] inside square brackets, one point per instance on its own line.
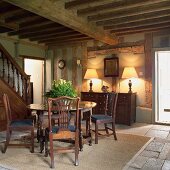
[162, 86]
[35, 68]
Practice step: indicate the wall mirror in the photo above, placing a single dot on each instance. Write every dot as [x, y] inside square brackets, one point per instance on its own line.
[111, 67]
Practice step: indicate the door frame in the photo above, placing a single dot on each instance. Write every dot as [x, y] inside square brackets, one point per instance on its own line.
[44, 69]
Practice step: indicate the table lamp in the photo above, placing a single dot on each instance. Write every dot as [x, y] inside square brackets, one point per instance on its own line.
[129, 72]
[91, 74]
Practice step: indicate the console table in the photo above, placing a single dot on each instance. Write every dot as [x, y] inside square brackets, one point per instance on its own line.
[126, 105]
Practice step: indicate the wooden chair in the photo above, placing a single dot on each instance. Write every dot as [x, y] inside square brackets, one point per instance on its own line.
[65, 129]
[16, 125]
[108, 117]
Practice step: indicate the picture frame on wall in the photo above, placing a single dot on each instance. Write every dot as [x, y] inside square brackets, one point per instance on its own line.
[111, 67]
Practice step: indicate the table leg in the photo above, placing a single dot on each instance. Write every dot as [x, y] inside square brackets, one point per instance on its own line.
[81, 133]
[90, 129]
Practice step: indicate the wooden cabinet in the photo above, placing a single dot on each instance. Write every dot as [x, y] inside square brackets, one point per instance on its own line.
[126, 105]
[126, 108]
[95, 97]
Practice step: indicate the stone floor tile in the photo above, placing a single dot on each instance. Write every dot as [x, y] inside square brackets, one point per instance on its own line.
[150, 154]
[168, 137]
[168, 155]
[166, 165]
[161, 140]
[157, 133]
[139, 162]
[160, 127]
[155, 146]
[153, 164]
[165, 151]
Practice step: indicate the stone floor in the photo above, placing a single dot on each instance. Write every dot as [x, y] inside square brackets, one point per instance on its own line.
[155, 154]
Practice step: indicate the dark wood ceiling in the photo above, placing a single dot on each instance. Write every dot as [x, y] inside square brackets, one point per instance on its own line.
[116, 17]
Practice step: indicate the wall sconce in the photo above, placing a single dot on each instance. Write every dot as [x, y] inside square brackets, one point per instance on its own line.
[129, 72]
[91, 74]
[78, 63]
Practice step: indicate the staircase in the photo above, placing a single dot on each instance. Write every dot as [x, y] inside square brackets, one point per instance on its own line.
[16, 84]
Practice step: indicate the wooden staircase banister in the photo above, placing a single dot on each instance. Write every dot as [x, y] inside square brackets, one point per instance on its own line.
[5, 52]
[14, 76]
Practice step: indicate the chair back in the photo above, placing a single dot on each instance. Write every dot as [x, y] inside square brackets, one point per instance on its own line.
[7, 108]
[112, 104]
[62, 106]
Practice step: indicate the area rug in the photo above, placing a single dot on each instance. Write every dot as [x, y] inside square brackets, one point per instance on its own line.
[108, 154]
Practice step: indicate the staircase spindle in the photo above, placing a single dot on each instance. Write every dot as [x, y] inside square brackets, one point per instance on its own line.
[3, 66]
[13, 77]
[8, 70]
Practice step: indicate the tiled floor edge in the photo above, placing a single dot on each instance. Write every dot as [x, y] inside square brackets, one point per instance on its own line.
[137, 154]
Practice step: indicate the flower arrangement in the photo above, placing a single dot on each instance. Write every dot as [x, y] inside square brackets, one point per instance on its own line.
[61, 88]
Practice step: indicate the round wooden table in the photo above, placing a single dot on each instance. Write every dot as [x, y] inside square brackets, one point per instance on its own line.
[84, 107]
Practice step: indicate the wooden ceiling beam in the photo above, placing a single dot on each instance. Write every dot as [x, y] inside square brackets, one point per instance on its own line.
[75, 3]
[143, 28]
[146, 30]
[34, 23]
[120, 45]
[55, 11]
[31, 35]
[36, 30]
[137, 17]
[52, 26]
[63, 37]
[139, 23]
[10, 13]
[67, 41]
[116, 5]
[56, 34]
[22, 18]
[11, 26]
[130, 11]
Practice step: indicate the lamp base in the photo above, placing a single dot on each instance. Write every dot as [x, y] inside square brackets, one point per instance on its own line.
[130, 86]
[91, 84]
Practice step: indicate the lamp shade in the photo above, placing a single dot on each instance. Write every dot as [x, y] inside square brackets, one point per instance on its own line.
[90, 74]
[129, 72]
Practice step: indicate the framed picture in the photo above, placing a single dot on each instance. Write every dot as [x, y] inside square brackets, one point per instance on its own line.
[111, 67]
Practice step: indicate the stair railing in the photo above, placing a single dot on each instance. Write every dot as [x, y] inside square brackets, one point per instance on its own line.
[14, 76]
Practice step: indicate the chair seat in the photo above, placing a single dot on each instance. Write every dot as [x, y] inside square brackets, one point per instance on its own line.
[55, 129]
[101, 117]
[17, 123]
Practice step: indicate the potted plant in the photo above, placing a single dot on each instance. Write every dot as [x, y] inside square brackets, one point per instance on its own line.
[61, 88]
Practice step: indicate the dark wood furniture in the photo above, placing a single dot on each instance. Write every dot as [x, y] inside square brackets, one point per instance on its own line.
[84, 107]
[126, 108]
[107, 117]
[126, 105]
[17, 125]
[65, 128]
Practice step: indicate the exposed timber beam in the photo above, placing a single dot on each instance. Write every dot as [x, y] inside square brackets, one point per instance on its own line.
[55, 11]
[137, 17]
[116, 5]
[135, 47]
[148, 27]
[131, 11]
[74, 3]
[146, 22]
[11, 26]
